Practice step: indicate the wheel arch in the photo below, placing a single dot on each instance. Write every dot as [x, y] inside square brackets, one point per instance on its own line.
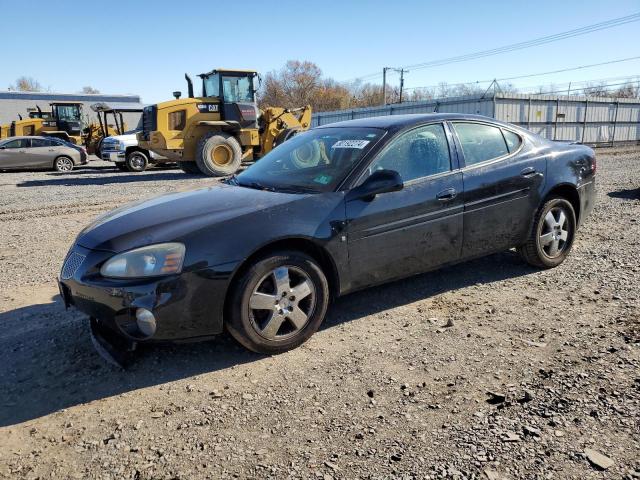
[301, 244]
[569, 192]
[136, 148]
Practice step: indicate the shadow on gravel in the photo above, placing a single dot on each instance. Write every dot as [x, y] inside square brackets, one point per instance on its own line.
[48, 362]
[627, 194]
[74, 180]
[494, 268]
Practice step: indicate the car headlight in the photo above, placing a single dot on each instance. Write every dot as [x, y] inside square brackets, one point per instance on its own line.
[151, 261]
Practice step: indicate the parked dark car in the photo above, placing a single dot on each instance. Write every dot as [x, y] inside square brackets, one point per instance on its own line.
[27, 153]
[336, 209]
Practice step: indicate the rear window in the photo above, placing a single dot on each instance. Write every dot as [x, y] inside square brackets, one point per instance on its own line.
[480, 142]
[513, 140]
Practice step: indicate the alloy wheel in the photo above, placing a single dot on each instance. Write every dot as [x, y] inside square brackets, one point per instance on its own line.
[64, 164]
[554, 233]
[137, 162]
[282, 303]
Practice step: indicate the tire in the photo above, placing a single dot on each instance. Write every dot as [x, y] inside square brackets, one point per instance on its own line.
[136, 161]
[218, 154]
[190, 167]
[286, 321]
[552, 234]
[63, 164]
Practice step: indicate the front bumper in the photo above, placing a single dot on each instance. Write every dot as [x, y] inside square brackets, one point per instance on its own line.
[113, 156]
[185, 306]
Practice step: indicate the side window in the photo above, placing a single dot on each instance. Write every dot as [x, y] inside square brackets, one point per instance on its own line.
[39, 142]
[480, 142]
[177, 120]
[513, 140]
[13, 144]
[419, 153]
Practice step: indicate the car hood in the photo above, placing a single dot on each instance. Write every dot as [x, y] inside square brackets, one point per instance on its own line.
[173, 216]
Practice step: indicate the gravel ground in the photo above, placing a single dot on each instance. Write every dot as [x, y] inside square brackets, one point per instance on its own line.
[489, 369]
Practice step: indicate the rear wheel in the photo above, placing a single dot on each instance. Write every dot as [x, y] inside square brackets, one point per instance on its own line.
[136, 161]
[190, 167]
[551, 238]
[63, 164]
[278, 303]
[218, 154]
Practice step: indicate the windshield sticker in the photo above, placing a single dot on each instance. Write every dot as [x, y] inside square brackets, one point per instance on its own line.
[322, 179]
[359, 144]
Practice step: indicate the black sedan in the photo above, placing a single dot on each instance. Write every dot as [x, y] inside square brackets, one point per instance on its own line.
[333, 210]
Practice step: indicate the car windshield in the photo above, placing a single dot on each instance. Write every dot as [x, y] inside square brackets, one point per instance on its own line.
[315, 161]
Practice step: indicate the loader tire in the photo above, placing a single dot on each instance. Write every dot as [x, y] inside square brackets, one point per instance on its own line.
[218, 154]
[189, 167]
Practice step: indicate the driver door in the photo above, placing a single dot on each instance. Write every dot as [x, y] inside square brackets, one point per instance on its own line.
[14, 153]
[418, 228]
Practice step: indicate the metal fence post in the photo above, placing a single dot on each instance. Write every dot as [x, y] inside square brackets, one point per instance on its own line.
[584, 120]
[555, 126]
[529, 115]
[615, 122]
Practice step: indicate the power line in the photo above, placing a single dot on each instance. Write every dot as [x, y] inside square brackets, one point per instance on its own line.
[518, 77]
[520, 45]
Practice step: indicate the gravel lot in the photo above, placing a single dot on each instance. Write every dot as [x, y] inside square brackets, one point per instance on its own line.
[488, 369]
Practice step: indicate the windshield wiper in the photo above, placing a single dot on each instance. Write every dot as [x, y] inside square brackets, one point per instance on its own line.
[232, 180]
[256, 186]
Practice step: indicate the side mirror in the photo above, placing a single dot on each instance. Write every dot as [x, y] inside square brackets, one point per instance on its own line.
[380, 181]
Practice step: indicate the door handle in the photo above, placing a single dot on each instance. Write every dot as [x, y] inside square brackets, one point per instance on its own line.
[528, 172]
[447, 194]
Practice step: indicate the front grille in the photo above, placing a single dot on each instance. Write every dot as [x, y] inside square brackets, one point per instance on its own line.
[71, 265]
[149, 121]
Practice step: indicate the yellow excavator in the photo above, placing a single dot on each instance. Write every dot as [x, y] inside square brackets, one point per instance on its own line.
[218, 131]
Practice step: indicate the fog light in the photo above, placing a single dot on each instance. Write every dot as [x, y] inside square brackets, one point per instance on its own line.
[146, 321]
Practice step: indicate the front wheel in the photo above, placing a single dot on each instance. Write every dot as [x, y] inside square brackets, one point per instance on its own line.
[278, 303]
[551, 237]
[218, 154]
[63, 164]
[136, 161]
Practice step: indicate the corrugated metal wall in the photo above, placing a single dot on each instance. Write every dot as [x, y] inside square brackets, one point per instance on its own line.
[591, 120]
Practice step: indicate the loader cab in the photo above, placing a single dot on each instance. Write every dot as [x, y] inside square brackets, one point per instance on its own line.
[68, 117]
[236, 93]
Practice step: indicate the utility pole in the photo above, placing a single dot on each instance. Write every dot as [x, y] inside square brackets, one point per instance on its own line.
[384, 85]
[402, 70]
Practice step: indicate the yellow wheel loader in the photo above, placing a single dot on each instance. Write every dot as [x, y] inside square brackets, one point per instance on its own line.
[64, 121]
[214, 133]
[5, 131]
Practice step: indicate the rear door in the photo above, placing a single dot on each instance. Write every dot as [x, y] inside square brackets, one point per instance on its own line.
[502, 184]
[42, 153]
[397, 234]
[13, 154]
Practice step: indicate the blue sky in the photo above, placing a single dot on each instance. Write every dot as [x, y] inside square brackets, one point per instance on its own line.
[145, 47]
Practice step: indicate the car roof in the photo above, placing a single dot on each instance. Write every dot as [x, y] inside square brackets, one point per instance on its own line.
[397, 122]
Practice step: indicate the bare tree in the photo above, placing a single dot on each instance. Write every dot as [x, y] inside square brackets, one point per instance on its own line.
[27, 84]
[628, 90]
[90, 90]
